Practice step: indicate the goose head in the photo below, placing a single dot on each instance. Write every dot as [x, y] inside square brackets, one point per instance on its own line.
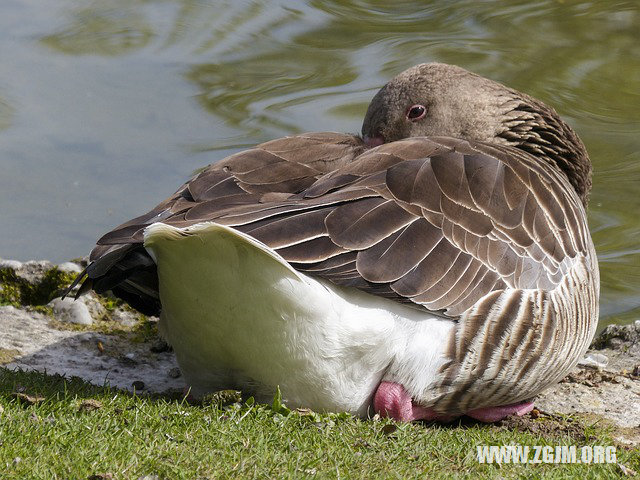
[435, 99]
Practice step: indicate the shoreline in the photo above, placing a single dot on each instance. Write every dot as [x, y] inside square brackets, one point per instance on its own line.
[102, 341]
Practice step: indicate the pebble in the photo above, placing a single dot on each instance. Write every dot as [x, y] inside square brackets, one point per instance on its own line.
[595, 360]
[69, 267]
[33, 270]
[125, 318]
[72, 311]
[12, 264]
[160, 346]
[138, 385]
[128, 359]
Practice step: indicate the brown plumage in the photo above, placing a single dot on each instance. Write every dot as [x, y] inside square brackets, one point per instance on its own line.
[475, 211]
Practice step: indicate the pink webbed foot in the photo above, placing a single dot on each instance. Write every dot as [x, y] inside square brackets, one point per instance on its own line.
[392, 400]
[493, 414]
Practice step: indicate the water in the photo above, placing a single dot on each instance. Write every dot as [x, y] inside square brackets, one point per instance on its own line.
[106, 106]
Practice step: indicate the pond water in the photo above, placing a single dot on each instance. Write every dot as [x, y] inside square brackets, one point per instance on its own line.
[106, 106]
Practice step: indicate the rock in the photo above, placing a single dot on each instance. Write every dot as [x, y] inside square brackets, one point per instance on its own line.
[128, 359]
[612, 392]
[160, 346]
[595, 360]
[7, 355]
[222, 398]
[138, 385]
[70, 267]
[92, 301]
[89, 405]
[613, 335]
[72, 311]
[10, 264]
[101, 476]
[126, 318]
[34, 282]
[33, 271]
[39, 345]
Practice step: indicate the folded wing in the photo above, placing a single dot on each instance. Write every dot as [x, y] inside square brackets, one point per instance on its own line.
[437, 222]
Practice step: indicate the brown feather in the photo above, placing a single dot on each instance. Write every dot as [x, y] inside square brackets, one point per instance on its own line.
[440, 222]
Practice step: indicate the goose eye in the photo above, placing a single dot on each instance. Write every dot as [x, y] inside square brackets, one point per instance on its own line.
[416, 112]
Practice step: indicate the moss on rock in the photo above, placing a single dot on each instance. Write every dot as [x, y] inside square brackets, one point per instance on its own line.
[18, 291]
[7, 355]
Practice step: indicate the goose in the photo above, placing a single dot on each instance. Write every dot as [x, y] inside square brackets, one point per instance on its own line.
[439, 265]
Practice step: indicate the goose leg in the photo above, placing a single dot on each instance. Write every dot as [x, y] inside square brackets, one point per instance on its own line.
[392, 400]
[493, 414]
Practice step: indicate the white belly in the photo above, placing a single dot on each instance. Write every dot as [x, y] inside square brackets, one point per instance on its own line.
[238, 316]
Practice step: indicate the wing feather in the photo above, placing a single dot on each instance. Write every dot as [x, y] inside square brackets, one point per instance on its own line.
[438, 222]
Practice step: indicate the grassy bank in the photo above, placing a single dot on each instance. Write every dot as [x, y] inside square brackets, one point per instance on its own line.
[51, 427]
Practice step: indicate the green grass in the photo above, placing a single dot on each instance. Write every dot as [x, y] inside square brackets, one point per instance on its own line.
[66, 428]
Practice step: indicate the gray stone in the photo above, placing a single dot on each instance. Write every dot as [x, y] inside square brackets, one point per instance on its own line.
[610, 336]
[11, 264]
[92, 301]
[125, 317]
[69, 310]
[92, 356]
[69, 267]
[611, 391]
[33, 271]
[595, 360]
